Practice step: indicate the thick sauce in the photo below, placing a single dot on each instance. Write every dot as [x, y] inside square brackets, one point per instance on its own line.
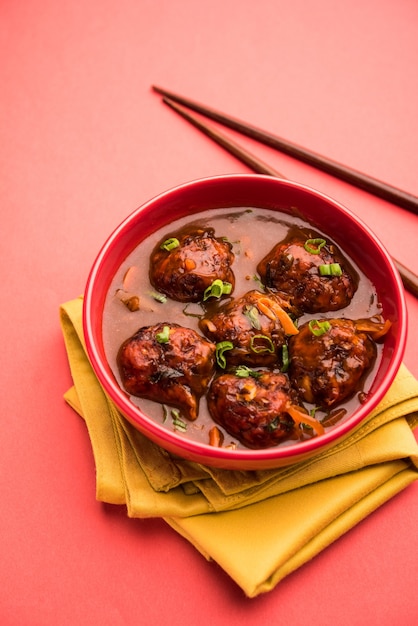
[253, 232]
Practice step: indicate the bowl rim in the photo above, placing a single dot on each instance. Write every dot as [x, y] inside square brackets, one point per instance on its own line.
[195, 449]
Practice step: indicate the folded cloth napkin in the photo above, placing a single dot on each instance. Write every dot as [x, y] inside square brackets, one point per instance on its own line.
[303, 508]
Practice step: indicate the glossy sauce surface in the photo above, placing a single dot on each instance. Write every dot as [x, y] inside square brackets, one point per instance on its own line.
[253, 233]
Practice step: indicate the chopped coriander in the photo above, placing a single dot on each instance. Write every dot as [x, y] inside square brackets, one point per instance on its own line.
[242, 371]
[273, 425]
[306, 428]
[232, 243]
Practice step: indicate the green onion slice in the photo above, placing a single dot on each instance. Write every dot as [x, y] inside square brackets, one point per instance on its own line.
[313, 411]
[164, 335]
[221, 347]
[261, 343]
[285, 358]
[319, 328]
[159, 297]
[178, 423]
[170, 244]
[258, 280]
[330, 269]
[251, 312]
[217, 289]
[314, 245]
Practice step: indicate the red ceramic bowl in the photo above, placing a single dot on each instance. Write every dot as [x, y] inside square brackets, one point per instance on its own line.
[329, 217]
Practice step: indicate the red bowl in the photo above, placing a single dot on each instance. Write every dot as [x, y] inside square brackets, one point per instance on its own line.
[324, 213]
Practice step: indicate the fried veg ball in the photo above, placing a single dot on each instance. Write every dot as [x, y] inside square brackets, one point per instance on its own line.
[301, 270]
[184, 266]
[328, 359]
[256, 325]
[258, 410]
[169, 364]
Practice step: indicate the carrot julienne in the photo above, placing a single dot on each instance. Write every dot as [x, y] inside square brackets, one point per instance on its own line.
[272, 310]
[299, 417]
[376, 330]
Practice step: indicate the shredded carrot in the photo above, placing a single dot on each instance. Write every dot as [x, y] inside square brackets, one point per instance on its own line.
[376, 330]
[272, 310]
[299, 417]
[215, 437]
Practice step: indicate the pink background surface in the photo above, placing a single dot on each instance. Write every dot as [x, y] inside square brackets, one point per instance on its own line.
[83, 142]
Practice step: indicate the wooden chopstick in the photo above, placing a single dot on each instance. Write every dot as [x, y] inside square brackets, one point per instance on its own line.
[409, 279]
[231, 146]
[354, 177]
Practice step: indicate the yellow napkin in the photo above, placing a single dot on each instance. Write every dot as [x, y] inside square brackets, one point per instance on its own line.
[257, 525]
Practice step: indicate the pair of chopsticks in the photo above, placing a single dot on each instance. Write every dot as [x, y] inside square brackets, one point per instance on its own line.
[183, 106]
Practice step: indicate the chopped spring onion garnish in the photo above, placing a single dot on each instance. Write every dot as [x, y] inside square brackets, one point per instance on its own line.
[314, 245]
[261, 343]
[170, 244]
[313, 410]
[258, 280]
[319, 328]
[242, 371]
[227, 240]
[159, 297]
[330, 269]
[251, 312]
[222, 347]
[217, 289]
[285, 358]
[178, 423]
[164, 335]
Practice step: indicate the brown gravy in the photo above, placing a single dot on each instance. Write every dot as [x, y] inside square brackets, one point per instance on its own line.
[253, 232]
